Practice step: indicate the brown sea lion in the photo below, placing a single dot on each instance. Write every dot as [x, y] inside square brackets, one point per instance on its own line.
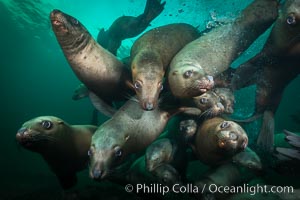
[274, 67]
[192, 69]
[151, 55]
[128, 26]
[99, 70]
[130, 130]
[63, 146]
[217, 140]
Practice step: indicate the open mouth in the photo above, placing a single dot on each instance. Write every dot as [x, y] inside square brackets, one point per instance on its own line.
[205, 84]
[56, 22]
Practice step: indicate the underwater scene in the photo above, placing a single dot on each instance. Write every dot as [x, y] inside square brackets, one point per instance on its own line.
[150, 99]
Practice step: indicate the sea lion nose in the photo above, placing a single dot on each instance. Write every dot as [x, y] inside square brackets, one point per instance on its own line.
[21, 131]
[97, 173]
[148, 106]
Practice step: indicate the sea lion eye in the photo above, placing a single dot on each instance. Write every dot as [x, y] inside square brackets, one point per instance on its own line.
[161, 86]
[225, 124]
[89, 152]
[47, 124]
[291, 19]
[188, 73]
[118, 152]
[233, 136]
[203, 100]
[137, 85]
[74, 21]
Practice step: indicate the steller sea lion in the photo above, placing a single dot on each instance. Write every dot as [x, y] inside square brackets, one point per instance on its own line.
[193, 68]
[274, 67]
[217, 140]
[99, 70]
[130, 130]
[128, 26]
[63, 146]
[151, 55]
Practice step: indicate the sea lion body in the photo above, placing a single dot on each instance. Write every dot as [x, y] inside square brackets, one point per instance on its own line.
[151, 55]
[277, 64]
[128, 26]
[211, 54]
[99, 70]
[130, 130]
[217, 140]
[64, 147]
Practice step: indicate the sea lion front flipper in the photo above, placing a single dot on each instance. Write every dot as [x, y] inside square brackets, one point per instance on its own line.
[291, 153]
[101, 106]
[67, 180]
[266, 136]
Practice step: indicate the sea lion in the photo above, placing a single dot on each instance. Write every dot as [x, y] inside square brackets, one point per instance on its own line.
[274, 67]
[128, 26]
[63, 146]
[151, 55]
[99, 70]
[193, 68]
[130, 130]
[217, 140]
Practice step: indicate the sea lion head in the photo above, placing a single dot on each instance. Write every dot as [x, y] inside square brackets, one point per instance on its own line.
[188, 128]
[209, 103]
[38, 132]
[106, 152]
[158, 153]
[189, 81]
[227, 99]
[147, 76]
[67, 29]
[231, 137]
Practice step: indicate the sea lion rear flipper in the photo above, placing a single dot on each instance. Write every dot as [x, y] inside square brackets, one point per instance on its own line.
[291, 153]
[266, 136]
[153, 9]
[67, 180]
[101, 106]
[292, 138]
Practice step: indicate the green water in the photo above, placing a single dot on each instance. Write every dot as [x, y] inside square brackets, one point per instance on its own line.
[36, 79]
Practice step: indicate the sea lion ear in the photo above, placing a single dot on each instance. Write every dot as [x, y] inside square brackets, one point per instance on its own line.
[127, 137]
[60, 122]
[174, 72]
